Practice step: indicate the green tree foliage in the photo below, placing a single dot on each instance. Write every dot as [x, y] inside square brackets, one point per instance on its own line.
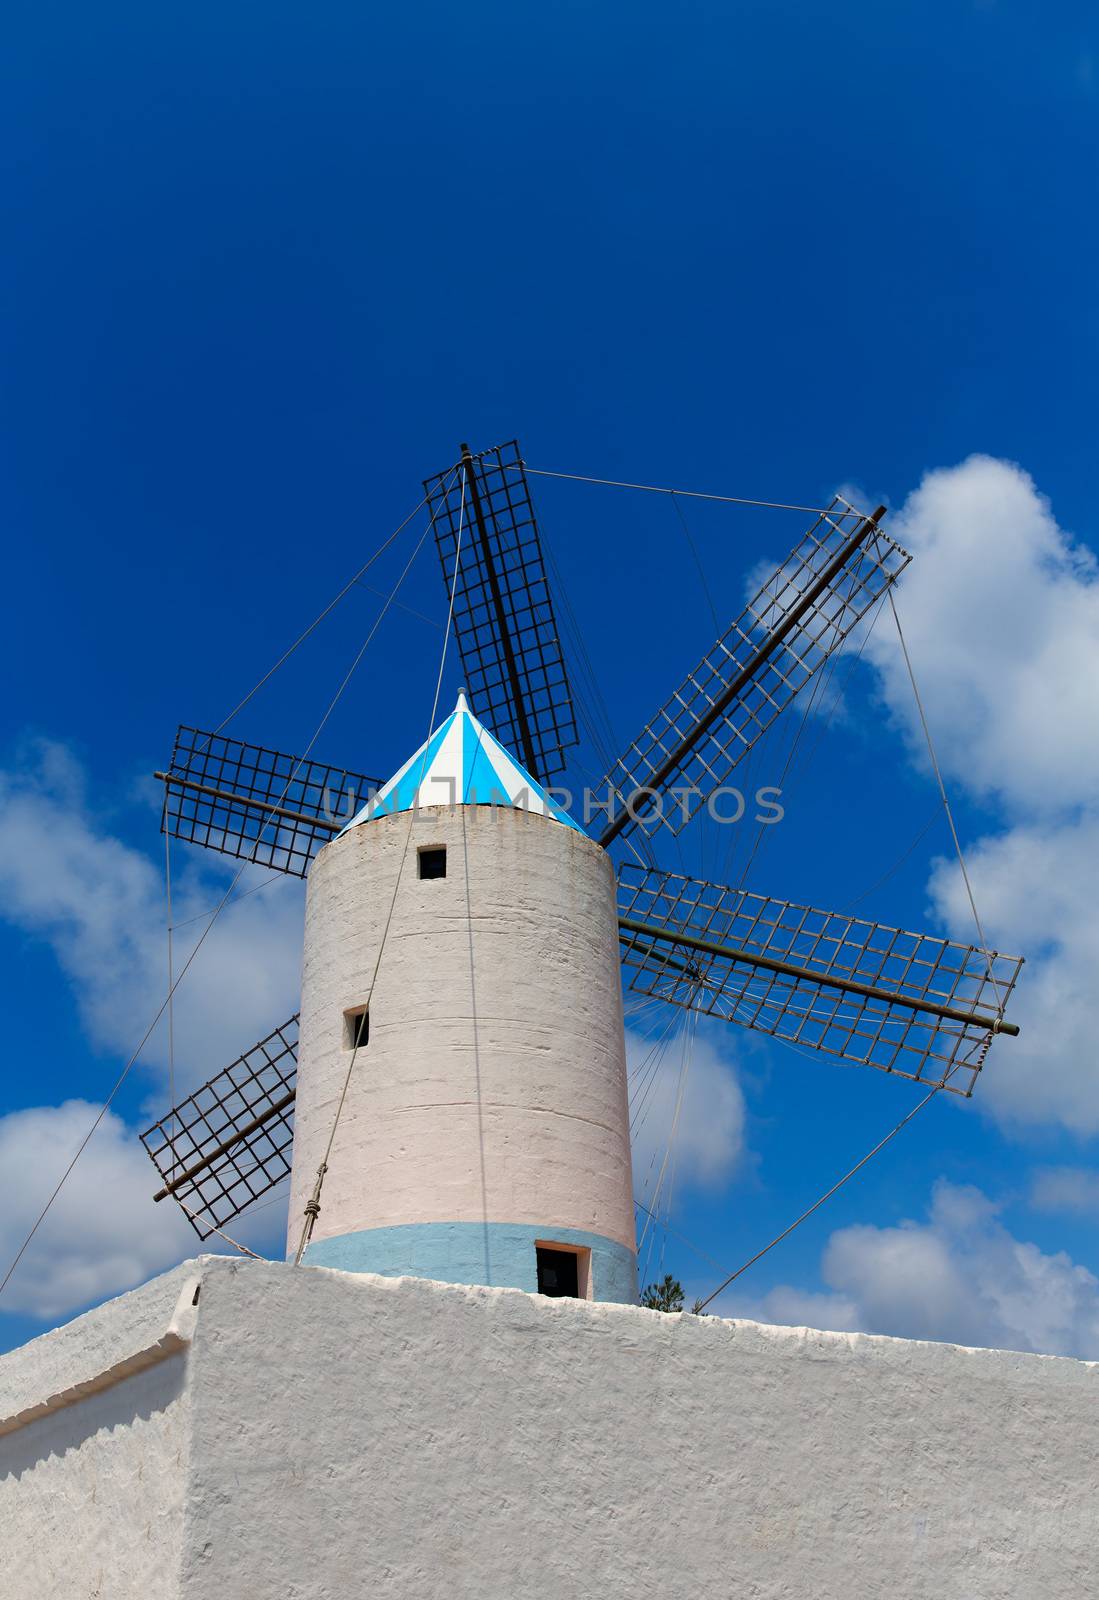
[667, 1295]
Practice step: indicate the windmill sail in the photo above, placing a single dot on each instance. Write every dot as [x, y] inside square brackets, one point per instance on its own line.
[256, 804]
[752, 673]
[230, 1141]
[504, 620]
[910, 1003]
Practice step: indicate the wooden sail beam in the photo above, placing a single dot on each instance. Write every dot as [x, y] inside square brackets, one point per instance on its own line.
[230, 797]
[788, 969]
[642, 798]
[226, 1145]
[511, 666]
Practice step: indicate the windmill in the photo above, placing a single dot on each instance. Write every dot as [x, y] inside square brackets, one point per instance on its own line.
[916, 1005]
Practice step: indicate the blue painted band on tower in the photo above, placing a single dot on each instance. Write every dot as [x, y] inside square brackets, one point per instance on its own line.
[499, 1254]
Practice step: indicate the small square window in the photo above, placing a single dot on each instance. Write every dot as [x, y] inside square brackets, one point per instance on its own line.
[433, 861]
[356, 1028]
[563, 1271]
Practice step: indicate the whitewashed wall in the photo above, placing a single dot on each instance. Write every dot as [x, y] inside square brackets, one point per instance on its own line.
[94, 1433]
[353, 1435]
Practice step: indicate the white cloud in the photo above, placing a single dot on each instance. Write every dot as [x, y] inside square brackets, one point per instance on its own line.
[1073, 1189]
[1001, 611]
[1037, 888]
[1000, 608]
[102, 1234]
[796, 1308]
[100, 905]
[960, 1276]
[689, 1072]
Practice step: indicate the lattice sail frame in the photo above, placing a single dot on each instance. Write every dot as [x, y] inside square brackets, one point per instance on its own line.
[252, 803]
[248, 1106]
[885, 1034]
[844, 601]
[515, 675]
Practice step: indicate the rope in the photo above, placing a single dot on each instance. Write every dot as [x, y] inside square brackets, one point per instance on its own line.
[124, 1074]
[900, 861]
[243, 1248]
[786, 1232]
[419, 615]
[645, 1076]
[831, 669]
[276, 877]
[680, 1236]
[763, 829]
[673, 1147]
[695, 494]
[171, 985]
[686, 1058]
[279, 1194]
[697, 561]
[106, 1106]
[313, 1205]
[602, 736]
[224, 723]
[946, 806]
[824, 678]
[585, 683]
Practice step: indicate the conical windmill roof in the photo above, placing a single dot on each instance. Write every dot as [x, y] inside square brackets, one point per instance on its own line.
[462, 764]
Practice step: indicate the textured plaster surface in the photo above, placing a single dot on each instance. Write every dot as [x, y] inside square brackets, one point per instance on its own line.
[61, 1363]
[493, 1087]
[503, 1254]
[93, 1456]
[336, 1435]
[390, 1437]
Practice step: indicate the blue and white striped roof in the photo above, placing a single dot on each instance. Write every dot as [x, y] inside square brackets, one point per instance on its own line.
[462, 764]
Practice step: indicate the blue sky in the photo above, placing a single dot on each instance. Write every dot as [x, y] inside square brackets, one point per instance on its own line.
[264, 269]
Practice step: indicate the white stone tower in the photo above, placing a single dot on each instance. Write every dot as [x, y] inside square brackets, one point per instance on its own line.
[485, 1134]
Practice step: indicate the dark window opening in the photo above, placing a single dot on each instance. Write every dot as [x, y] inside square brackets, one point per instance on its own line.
[558, 1272]
[433, 862]
[356, 1029]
